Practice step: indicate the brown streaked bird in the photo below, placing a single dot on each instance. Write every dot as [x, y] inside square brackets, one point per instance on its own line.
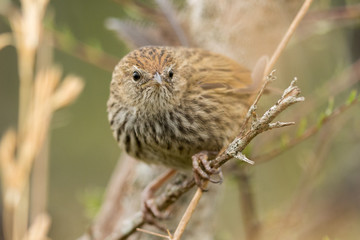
[168, 103]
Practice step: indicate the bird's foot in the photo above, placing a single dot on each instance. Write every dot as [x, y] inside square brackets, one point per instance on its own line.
[203, 170]
[148, 205]
[150, 210]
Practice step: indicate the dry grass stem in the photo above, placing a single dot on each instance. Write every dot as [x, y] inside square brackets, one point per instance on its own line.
[280, 48]
[188, 213]
[67, 92]
[5, 40]
[39, 97]
[27, 30]
[39, 229]
[16, 167]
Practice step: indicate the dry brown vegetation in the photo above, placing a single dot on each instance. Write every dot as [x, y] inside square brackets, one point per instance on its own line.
[304, 183]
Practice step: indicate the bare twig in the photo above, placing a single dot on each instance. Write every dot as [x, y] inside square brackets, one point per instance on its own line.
[187, 215]
[154, 234]
[251, 112]
[335, 86]
[259, 125]
[307, 134]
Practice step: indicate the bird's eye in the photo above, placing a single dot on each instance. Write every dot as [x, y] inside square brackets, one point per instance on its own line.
[171, 73]
[136, 76]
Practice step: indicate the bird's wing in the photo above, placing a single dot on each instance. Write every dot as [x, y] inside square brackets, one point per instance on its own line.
[212, 71]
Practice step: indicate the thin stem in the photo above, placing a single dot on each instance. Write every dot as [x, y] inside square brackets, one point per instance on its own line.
[307, 134]
[26, 71]
[39, 182]
[284, 41]
[152, 233]
[188, 213]
[248, 209]
[81, 51]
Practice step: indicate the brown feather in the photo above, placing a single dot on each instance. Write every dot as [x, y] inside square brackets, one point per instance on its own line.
[216, 72]
[199, 106]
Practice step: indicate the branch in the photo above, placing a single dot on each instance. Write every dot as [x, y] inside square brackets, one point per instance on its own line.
[307, 134]
[259, 125]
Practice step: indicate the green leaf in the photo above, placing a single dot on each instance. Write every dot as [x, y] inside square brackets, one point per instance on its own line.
[330, 107]
[320, 119]
[352, 97]
[328, 111]
[91, 200]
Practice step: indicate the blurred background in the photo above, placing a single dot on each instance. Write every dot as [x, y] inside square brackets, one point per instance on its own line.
[324, 55]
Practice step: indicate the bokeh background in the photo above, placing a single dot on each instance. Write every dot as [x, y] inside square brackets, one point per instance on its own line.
[83, 152]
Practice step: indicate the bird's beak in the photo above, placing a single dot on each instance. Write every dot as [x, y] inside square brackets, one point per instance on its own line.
[157, 78]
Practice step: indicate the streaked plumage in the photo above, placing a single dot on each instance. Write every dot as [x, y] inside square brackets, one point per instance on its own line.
[185, 101]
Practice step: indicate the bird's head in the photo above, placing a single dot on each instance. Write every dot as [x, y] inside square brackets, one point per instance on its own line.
[149, 76]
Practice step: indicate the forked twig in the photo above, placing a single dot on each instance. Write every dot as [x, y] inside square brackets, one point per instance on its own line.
[311, 131]
[262, 124]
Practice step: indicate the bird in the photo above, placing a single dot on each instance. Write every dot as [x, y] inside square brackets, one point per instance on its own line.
[168, 104]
